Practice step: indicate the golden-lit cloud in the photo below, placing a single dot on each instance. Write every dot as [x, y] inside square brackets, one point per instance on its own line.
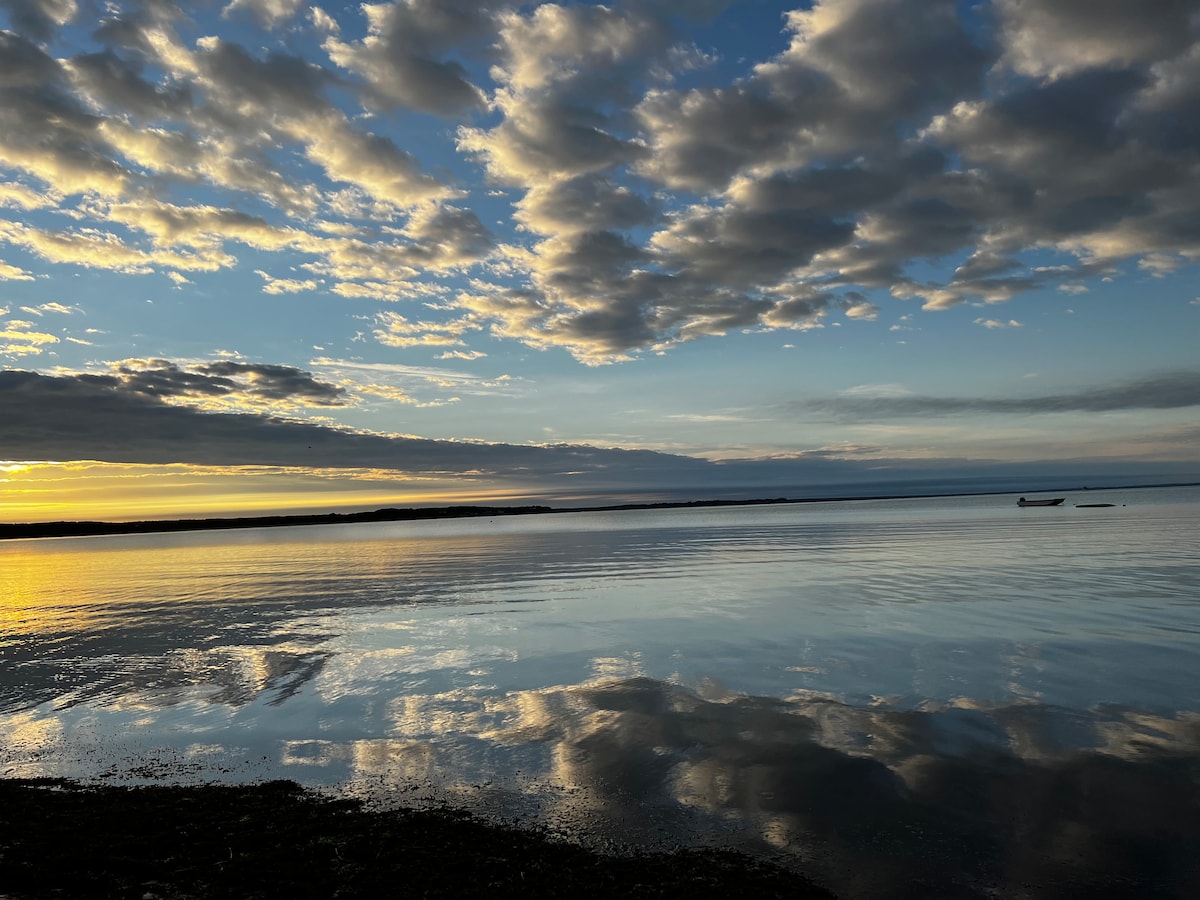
[13, 273]
[273, 285]
[396, 331]
[20, 196]
[19, 339]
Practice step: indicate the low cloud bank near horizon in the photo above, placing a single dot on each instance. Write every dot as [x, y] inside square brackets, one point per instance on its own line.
[109, 419]
[1170, 390]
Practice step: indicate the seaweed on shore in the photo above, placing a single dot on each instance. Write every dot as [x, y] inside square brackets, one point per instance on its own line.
[62, 839]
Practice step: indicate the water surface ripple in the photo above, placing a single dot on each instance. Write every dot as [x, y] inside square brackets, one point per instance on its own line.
[955, 693]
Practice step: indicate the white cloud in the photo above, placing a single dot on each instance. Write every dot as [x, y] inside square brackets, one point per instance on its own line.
[269, 12]
[273, 285]
[860, 309]
[322, 21]
[462, 354]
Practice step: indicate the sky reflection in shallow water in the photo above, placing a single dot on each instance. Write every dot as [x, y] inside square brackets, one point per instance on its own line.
[950, 690]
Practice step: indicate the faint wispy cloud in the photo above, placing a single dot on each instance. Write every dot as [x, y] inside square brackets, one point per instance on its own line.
[1174, 390]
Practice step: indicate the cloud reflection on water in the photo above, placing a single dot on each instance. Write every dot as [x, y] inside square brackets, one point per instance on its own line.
[936, 690]
[954, 797]
[867, 799]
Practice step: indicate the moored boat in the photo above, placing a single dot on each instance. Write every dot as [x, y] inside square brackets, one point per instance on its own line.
[1055, 502]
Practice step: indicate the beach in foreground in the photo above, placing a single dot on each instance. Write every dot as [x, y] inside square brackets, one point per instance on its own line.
[61, 839]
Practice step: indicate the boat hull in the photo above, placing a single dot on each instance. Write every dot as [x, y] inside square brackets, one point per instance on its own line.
[1055, 502]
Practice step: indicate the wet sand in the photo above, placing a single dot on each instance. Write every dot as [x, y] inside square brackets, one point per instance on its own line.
[60, 839]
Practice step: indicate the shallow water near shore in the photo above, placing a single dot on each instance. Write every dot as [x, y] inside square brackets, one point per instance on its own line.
[952, 692]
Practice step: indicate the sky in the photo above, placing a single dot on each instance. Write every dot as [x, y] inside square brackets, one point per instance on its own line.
[273, 256]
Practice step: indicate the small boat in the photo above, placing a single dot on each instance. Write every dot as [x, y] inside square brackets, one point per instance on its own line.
[1093, 505]
[1055, 502]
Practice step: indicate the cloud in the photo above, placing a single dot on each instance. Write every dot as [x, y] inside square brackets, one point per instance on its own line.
[225, 384]
[13, 273]
[462, 354]
[649, 207]
[18, 339]
[859, 308]
[853, 72]
[40, 18]
[123, 417]
[44, 308]
[590, 202]
[17, 195]
[105, 250]
[46, 132]
[1174, 390]
[269, 13]
[1048, 38]
[997, 323]
[155, 412]
[404, 57]
[273, 285]
[322, 21]
[397, 331]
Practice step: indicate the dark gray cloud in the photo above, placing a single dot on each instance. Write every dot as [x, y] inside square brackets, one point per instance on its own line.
[742, 247]
[859, 78]
[447, 235]
[244, 382]
[123, 418]
[279, 82]
[44, 128]
[586, 203]
[129, 26]
[38, 18]
[118, 83]
[1175, 390]
[1049, 37]
[406, 58]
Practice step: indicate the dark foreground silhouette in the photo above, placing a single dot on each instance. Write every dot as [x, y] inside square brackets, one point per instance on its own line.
[59, 839]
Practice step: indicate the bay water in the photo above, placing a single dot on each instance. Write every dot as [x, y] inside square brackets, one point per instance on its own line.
[956, 692]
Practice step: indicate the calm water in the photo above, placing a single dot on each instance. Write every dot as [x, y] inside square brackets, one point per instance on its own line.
[955, 693]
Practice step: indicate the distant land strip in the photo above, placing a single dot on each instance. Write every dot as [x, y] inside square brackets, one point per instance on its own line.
[17, 531]
[387, 514]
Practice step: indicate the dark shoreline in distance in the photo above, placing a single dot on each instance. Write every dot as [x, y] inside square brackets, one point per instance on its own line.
[19, 531]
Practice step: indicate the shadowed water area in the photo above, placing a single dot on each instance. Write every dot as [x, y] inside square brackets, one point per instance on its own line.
[950, 697]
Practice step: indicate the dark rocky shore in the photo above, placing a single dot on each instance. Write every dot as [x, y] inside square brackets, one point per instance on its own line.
[60, 839]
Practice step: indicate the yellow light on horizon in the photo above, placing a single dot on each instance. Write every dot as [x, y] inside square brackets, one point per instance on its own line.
[87, 490]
